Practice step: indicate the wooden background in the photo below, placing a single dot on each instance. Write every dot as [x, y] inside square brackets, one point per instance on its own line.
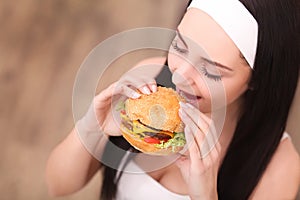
[42, 45]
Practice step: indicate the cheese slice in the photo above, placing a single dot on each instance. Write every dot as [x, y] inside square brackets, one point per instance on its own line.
[140, 128]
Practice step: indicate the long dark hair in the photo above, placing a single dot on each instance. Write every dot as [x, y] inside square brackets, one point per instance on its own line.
[267, 102]
[110, 181]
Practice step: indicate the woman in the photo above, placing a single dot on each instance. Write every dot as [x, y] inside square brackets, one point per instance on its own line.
[252, 159]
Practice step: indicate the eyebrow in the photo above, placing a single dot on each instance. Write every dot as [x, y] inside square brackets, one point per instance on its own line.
[181, 38]
[205, 59]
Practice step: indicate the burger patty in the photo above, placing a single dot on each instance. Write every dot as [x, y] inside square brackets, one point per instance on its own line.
[159, 136]
[149, 131]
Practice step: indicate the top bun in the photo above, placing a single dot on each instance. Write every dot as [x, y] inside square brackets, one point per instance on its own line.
[158, 110]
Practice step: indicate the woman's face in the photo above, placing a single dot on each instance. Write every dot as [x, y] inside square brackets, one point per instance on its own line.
[206, 63]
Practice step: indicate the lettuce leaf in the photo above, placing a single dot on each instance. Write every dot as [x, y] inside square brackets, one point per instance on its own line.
[177, 141]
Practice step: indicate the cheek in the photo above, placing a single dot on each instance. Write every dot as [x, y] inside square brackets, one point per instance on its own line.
[183, 74]
[213, 95]
[235, 88]
[206, 89]
[194, 81]
[231, 88]
[217, 95]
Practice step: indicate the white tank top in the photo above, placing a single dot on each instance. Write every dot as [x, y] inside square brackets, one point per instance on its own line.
[141, 186]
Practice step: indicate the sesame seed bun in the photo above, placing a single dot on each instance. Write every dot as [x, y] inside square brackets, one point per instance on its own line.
[152, 124]
[158, 110]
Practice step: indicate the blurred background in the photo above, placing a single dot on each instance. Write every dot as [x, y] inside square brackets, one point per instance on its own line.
[42, 45]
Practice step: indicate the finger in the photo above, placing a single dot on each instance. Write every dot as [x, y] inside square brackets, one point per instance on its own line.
[192, 127]
[195, 115]
[195, 137]
[215, 153]
[144, 84]
[205, 124]
[196, 158]
[218, 147]
[145, 89]
[189, 138]
[183, 163]
[210, 141]
[194, 153]
[212, 159]
[129, 92]
[107, 93]
[212, 135]
[211, 138]
[153, 87]
[204, 116]
[205, 148]
[197, 128]
[148, 85]
[204, 141]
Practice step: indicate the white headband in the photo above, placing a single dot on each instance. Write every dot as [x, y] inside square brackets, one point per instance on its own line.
[236, 21]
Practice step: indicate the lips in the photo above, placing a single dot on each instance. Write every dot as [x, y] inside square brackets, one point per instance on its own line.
[190, 98]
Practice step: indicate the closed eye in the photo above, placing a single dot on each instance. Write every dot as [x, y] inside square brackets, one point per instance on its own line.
[210, 75]
[177, 48]
[204, 69]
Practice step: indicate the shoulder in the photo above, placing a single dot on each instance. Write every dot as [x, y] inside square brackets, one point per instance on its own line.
[282, 176]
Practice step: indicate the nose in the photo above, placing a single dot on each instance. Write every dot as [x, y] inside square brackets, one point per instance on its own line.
[182, 74]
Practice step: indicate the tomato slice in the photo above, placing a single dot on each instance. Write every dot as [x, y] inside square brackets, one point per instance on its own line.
[165, 140]
[151, 140]
[123, 112]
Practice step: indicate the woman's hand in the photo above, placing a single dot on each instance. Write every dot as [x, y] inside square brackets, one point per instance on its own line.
[200, 166]
[128, 86]
[99, 116]
[103, 117]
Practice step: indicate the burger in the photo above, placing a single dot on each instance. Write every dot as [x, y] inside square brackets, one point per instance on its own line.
[151, 123]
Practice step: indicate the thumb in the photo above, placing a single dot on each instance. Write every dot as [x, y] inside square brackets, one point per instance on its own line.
[183, 164]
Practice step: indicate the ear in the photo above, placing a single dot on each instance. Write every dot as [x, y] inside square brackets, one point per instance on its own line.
[250, 88]
[251, 85]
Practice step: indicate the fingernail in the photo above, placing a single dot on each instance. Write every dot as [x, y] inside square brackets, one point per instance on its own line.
[153, 88]
[146, 90]
[135, 95]
[183, 105]
[181, 113]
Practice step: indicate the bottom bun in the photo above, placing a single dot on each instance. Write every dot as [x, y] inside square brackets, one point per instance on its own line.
[147, 148]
